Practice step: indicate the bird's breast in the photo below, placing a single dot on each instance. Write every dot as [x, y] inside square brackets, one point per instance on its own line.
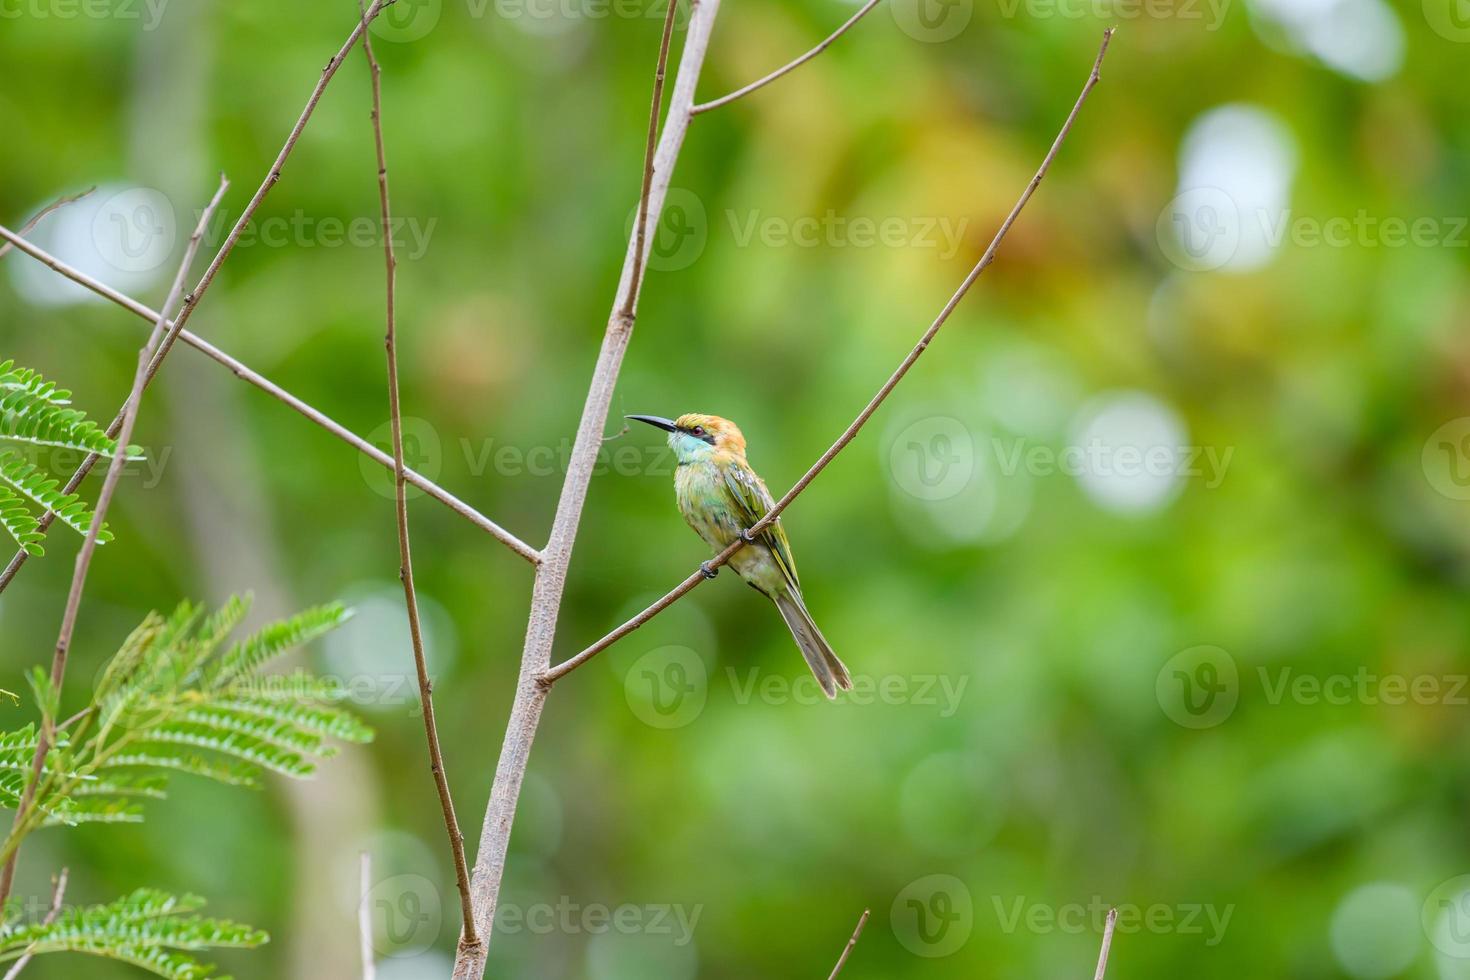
[704, 500]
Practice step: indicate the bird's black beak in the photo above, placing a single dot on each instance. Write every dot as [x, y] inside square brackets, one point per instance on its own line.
[666, 424]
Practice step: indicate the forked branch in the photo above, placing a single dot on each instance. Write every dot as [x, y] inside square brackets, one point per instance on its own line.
[693, 581]
[740, 93]
[157, 345]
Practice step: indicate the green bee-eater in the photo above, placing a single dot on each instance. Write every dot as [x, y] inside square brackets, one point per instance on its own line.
[721, 497]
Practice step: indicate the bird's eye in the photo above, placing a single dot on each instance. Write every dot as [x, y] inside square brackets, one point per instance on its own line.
[699, 430]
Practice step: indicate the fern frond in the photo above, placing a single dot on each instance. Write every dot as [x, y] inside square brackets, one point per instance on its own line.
[155, 756]
[245, 658]
[14, 378]
[29, 414]
[282, 734]
[20, 523]
[246, 748]
[321, 719]
[297, 686]
[76, 810]
[45, 490]
[148, 928]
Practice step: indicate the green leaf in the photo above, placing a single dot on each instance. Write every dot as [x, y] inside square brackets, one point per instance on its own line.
[245, 658]
[33, 410]
[19, 523]
[147, 928]
[45, 490]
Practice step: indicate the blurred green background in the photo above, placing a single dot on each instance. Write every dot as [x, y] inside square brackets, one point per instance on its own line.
[1154, 569]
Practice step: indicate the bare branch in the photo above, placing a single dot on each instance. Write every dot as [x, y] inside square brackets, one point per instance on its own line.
[157, 344]
[40, 215]
[400, 496]
[847, 950]
[58, 891]
[640, 233]
[1107, 944]
[364, 916]
[789, 66]
[240, 370]
[551, 575]
[693, 581]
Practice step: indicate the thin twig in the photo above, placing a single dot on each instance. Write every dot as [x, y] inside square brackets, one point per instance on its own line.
[551, 574]
[640, 233]
[400, 495]
[158, 343]
[58, 890]
[365, 916]
[40, 215]
[789, 66]
[847, 950]
[245, 373]
[693, 581]
[1107, 945]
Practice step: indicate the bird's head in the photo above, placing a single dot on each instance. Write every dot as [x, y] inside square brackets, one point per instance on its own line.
[695, 437]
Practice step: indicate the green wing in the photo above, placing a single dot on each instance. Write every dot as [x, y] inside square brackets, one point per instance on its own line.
[751, 500]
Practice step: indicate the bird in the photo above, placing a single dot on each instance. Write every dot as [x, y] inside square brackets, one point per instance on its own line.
[722, 498]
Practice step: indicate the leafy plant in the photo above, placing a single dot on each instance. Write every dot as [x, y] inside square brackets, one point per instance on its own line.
[173, 699]
[33, 410]
[147, 928]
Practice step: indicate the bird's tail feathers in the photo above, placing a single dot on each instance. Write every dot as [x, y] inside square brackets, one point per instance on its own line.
[830, 672]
